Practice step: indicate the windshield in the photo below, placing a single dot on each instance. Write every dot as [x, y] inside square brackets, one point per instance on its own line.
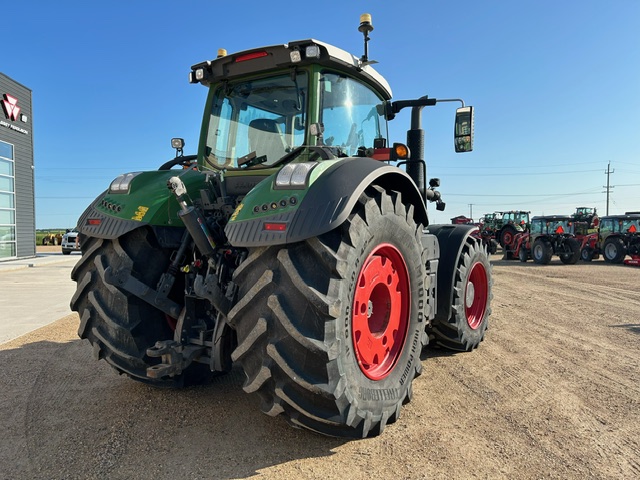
[552, 225]
[631, 226]
[256, 122]
[352, 114]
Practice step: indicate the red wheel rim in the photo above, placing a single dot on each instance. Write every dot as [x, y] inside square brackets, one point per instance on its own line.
[381, 311]
[475, 295]
[508, 238]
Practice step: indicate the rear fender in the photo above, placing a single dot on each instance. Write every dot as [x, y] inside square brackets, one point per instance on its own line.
[148, 202]
[266, 216]
[451, 239]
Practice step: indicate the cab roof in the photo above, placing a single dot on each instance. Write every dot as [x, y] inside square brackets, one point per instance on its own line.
[274, 57]
[553, 217]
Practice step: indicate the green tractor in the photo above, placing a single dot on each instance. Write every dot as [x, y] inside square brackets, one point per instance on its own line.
[292, 245]
[513, 222]
[586, 220]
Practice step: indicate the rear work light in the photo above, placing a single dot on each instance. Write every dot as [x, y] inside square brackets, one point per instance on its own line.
[122, 182]
[294, 175]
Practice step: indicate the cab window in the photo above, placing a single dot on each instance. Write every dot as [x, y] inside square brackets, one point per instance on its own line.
[352, 114]
[256, 122]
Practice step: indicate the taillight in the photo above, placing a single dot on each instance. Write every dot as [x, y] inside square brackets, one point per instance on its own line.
[275, 227]
[250, 56]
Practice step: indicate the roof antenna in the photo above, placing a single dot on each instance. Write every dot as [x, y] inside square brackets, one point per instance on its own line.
[366, 27]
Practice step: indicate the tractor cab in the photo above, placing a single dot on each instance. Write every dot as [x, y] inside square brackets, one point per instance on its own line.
[267, 106]
[552, 225]
[306, 102]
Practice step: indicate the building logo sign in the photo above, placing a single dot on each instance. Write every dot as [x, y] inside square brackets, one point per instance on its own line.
[12, 112]
[10, 107]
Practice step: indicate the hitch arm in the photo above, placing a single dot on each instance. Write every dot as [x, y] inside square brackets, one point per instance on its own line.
[122, 279]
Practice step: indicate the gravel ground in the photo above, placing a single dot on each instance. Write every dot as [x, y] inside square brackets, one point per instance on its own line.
[553, 392]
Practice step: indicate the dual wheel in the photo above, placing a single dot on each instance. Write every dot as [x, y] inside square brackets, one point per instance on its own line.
[329, 330]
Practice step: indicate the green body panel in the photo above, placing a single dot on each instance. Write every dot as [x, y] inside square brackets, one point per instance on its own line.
[280, 200]
[149, 200]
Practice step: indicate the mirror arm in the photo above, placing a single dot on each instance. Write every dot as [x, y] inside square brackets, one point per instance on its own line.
[394, 107]
[451, 100]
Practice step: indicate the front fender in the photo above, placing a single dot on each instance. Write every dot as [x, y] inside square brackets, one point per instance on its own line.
[451, 240]
[148, 202]
[267, 216]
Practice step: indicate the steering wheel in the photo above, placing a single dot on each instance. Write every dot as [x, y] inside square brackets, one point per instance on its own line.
[185, 160]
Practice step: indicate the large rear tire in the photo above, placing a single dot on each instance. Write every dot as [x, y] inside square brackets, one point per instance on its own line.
[573, 254]
[471, 305]
[614, 250]
[507, 235]
[330, 330]
[119, 325]
[542, 251]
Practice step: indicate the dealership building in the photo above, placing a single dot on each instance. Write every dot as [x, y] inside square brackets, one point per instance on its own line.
[17, 197]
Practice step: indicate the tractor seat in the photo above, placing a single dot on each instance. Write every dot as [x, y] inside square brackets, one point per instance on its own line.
[265, 138]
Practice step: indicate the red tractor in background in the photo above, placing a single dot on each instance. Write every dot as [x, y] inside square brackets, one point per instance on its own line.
[617, 237]
[549, 235]
[461, 220]
[486, 230]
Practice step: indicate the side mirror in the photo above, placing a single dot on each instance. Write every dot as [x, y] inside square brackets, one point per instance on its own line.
[463, 131]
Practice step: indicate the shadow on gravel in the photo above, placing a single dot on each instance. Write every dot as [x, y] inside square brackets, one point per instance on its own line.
[632, 327]
[65, 415]
[436, 352]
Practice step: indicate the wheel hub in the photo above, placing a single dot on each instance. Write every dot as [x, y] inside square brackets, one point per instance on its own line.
[476, 295]
[471, 292]
[381, 311]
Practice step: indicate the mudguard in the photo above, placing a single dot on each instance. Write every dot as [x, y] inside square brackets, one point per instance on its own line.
[451, 239]
[148, 202]
[270, 216]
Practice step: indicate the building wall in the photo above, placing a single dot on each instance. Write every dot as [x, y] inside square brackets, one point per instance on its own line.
[17, 130]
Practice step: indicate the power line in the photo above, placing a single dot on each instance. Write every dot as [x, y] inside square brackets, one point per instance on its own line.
[515, 174]
[608, 173]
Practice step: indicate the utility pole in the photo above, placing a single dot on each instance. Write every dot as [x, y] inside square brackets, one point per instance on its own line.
[608, 187]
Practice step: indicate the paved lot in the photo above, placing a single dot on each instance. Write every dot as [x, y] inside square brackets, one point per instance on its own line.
[34, 292]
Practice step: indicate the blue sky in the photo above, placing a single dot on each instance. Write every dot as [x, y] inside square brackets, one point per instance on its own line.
[555, 87]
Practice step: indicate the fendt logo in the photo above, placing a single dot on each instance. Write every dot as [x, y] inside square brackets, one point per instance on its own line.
[10, 107]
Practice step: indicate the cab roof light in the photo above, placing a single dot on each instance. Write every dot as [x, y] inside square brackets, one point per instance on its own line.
[312, 51]
[196, 75]
[250, 56]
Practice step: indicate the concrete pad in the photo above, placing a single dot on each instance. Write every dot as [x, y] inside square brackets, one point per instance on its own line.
[34, 292]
